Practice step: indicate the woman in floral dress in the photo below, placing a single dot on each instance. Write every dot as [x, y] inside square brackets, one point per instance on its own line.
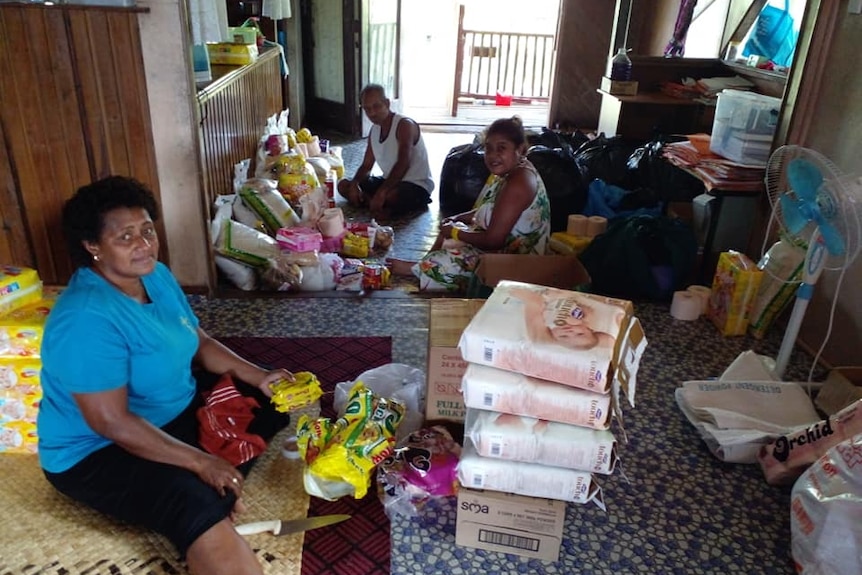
[511, 215]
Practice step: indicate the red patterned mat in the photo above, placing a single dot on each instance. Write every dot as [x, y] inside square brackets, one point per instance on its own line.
[359, 546]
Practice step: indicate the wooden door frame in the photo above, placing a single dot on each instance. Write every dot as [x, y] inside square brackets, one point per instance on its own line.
[323, 114]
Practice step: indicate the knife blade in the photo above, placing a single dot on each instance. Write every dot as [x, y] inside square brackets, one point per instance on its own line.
[279, 527]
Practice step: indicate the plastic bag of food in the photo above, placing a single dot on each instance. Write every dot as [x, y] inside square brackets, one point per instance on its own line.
[782, 267]
[396, 380]
[244, 244]
[261, 195]
[422, 467]
[281, 274]
[826, 513]
[340, 456]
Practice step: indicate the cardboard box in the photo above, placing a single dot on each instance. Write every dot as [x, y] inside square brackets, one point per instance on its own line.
[21, 330]
[227, 54]
[619, 87]
[508, 523]
[18, 287]
[446, 367]
[842, 387]
[560, 271]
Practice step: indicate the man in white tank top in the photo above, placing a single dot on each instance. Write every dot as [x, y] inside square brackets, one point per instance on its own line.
[395, 143]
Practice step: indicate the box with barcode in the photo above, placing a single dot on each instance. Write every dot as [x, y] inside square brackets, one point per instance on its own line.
[449, 317]
[509, 523]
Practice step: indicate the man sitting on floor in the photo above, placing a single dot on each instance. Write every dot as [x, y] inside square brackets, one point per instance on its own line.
[395, 143]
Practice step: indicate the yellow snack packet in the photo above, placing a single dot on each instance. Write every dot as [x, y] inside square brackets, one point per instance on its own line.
[354, 245]
[358, 441]
[290, 395]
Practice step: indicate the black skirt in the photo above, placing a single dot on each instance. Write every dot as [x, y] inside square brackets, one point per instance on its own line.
[167, 499]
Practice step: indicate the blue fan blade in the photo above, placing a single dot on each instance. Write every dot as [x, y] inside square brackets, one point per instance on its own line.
[834, 241]
[804, 178]
[794, 218]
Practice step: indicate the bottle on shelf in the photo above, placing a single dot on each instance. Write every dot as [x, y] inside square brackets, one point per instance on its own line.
[621, 66]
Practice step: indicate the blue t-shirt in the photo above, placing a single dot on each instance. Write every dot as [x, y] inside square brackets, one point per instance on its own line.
[98, 339]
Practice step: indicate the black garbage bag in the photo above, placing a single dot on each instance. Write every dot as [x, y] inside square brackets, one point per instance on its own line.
[606, 159]
[567, 190]
[569, 141]
[462, 178]
[641, 257]
[667, 182]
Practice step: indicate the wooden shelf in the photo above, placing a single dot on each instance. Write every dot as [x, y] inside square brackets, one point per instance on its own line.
[653, 99]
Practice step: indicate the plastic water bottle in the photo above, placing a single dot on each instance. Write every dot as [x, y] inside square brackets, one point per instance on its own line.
[621, 66]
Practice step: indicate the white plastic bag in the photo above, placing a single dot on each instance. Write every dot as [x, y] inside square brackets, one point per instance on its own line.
[393, 380]
[826, 513]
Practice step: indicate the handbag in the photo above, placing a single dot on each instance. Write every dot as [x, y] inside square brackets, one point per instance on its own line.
[774, 35]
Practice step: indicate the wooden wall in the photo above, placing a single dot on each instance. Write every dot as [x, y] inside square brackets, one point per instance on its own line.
[73, 108]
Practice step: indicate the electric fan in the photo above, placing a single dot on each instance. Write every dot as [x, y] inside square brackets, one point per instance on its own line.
[816, 204]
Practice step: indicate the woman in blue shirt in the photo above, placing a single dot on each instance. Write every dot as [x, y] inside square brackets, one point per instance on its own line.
[117, 425]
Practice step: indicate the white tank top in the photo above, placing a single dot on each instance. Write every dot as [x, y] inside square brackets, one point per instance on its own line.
[386, 155]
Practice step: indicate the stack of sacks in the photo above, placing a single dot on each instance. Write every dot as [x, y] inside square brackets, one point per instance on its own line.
[545, 370]
[22, 324]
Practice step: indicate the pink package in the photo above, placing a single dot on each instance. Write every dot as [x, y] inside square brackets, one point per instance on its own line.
[332, 245]
[424, 465]
[299, 239]
[784, 459]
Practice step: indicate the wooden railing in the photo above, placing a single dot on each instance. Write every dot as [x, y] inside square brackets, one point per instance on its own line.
[515, 65]
[233, 112]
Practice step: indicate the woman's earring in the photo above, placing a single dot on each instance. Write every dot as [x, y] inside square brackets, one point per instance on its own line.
[96, 257]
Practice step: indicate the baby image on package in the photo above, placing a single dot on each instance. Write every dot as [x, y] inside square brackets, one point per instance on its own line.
[558, 335]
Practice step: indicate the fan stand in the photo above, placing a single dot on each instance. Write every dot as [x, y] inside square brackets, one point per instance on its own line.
[815, 259]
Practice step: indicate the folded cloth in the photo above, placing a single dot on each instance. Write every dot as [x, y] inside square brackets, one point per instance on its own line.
[224, 419]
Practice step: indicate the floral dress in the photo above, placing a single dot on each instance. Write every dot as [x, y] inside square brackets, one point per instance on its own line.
[452, 269]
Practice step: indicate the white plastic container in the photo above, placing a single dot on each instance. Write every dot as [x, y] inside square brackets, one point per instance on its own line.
[744, 125]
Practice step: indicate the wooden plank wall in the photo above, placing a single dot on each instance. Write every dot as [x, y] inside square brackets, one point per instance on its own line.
[233, 111]
[73, 108]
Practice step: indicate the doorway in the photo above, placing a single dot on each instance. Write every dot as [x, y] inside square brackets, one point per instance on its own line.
[438, 71]
[426, 55]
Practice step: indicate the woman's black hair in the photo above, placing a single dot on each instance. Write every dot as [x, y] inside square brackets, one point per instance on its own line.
[84, 213]
[510, 128]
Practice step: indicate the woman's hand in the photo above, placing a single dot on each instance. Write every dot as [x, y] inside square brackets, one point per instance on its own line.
[272, 377]
[219, 474]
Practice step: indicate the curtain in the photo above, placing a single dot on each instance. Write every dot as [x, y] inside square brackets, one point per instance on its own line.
[276, 9]
[676, 47]
[208, 21]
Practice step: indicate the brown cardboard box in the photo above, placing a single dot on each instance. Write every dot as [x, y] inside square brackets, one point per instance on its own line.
[448, 319]
[619, 87]
[559, 271]
[509, 523]
[842, 387]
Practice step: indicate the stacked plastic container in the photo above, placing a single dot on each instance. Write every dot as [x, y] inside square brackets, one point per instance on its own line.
[744, 126]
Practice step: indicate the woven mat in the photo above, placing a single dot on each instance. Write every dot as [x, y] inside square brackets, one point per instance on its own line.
[46, 532]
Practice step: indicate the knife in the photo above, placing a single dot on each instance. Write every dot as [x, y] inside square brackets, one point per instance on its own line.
[279, 527]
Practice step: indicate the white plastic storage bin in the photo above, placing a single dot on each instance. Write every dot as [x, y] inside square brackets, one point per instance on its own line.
[744, 125]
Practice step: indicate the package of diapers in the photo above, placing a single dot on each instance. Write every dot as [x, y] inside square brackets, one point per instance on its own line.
[552, 334]
[530, 479]
[520, 438]
[509, 392]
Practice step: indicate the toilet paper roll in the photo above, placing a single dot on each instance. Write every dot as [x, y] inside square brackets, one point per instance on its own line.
[703, 293]
[577, 225]
[331, 223]
[596, 225]
[685, 306]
